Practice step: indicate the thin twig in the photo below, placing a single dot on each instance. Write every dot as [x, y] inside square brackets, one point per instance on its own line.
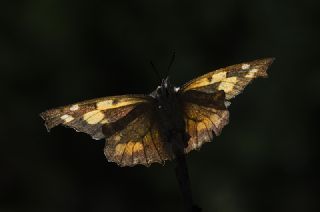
[182, 175]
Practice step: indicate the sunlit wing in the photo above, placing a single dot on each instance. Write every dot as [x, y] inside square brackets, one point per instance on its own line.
[89, 116]
[232, 79]
[126, 122]
[205, 99]
[136, 139]
[205, 115]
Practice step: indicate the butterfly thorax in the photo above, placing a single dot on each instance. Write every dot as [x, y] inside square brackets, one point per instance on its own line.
[169, 112]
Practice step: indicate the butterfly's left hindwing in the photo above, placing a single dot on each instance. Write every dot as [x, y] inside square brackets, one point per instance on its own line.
[136, 139]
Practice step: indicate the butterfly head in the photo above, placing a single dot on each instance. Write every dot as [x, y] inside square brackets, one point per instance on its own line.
[166, 90]
[166, 82]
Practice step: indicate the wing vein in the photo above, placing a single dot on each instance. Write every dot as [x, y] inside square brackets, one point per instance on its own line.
[144, 150]
[124, 149]
[132, 150]
[155, 146]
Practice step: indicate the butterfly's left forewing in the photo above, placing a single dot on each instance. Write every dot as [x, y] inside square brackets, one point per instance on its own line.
[89, 116]
[126, 122]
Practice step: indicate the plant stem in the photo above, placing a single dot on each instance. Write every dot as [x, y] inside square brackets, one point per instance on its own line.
[182, 175]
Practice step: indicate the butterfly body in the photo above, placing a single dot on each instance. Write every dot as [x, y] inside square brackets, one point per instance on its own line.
[144, 129]
[169, 112]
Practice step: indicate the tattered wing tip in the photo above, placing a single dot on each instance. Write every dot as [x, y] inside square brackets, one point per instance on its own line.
[270, 60]
[148, 164]
[263, 65]
[223, 123]
[215, 132]
[111, 159]
[43, 115]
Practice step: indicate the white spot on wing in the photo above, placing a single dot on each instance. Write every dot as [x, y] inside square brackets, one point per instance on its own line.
[251, 73]
[104, 104]
[218, 77]
[227, 103]
[67, 118]
[245, 66]
[104, 121]
[227, 84]
[74, 107]
[117, 138]
[64, 116]
[93, 117]
[135, 160]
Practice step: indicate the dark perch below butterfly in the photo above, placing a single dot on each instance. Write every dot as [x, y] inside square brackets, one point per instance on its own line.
[182, 175]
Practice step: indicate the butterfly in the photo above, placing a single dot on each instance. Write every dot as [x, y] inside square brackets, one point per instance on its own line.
[146, 129]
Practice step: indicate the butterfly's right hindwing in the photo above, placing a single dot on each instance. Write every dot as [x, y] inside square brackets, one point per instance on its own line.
[205, 115]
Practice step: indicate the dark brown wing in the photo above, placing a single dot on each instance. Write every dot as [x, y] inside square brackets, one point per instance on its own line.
[232, 79]
[126, 122]
[136, 139]
[205, 98]
[89, 116]
[205, 115]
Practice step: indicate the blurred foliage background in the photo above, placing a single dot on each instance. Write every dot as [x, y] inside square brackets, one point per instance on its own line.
[55, 52]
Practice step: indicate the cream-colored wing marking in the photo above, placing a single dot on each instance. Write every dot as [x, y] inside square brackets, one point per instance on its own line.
[202, 124]
[232, 79]
[89, 116]
[205, 116]
[136, 139]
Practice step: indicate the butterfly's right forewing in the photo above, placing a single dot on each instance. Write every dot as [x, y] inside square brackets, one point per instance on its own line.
[205, 98]
[232, 79]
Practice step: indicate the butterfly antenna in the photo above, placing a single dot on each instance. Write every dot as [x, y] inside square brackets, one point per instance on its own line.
[155, 71]
[171, 62]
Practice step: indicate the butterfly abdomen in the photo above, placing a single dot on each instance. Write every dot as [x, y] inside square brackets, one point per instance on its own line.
[170, 115]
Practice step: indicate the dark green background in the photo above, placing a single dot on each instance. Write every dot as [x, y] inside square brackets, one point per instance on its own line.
[56, 52]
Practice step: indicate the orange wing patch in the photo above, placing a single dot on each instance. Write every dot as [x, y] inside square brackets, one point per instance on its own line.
[137, 141]
[203, 123]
